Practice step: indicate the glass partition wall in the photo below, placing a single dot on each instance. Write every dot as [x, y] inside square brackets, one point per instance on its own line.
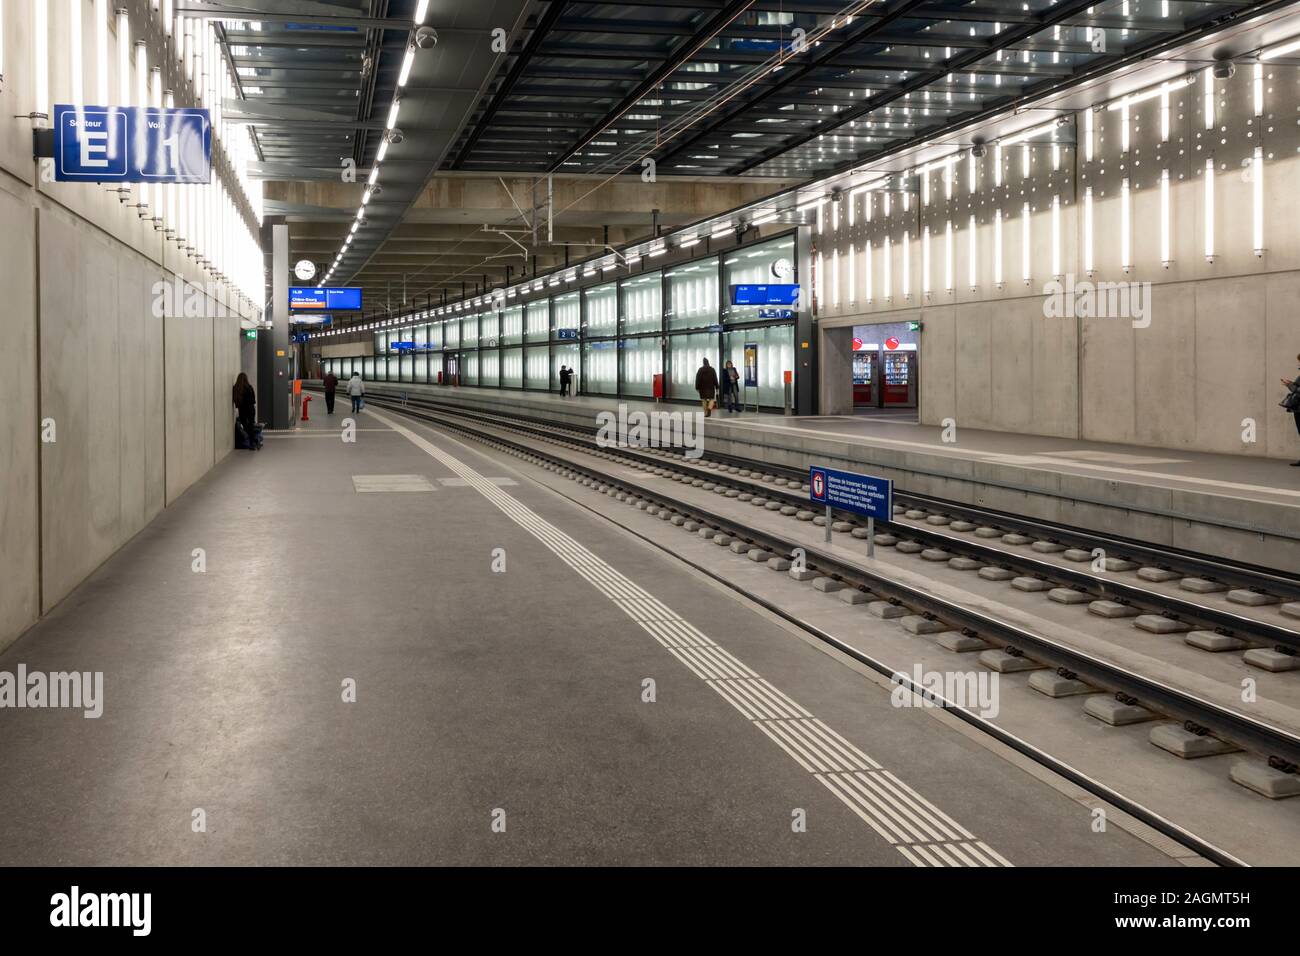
[617, 336]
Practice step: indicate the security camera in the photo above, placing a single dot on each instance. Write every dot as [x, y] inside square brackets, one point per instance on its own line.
[1224, 69]
[837, 194]
[395, 136]
[978, 149]
[426, 38]
[1062, 122]
[376, 189]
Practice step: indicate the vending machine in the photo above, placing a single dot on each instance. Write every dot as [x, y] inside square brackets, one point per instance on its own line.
[865, 378]
[899, 379]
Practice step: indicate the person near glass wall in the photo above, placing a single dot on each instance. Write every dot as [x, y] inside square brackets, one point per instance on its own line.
[565, 377]
[706, 383]
[356, 391]
[731, 387]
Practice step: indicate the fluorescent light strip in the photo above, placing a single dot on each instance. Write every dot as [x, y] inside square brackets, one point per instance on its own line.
[1087, 231]
[1056, 235]
[1208, 99]
[1025, 134]
[1282, 49]
[1166, 237]
[1209, 209]
[925, 260]
[867, 264]
[1024, 242]
[1257, 190]
[971, 253]
[887, 254]
[907, 263]
[407, 62]
[997, 247]
[41, 56]
[1125, 226]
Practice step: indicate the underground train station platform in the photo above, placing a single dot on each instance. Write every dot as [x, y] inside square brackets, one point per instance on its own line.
[392, 640]
[327, 613]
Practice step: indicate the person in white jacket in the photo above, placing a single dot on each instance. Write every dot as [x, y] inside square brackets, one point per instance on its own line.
[356, 390]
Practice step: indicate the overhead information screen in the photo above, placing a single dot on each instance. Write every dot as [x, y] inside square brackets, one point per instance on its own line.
[325, 299]
[764, 294]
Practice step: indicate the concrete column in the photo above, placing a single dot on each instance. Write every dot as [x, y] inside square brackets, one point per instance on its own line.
[805, 358]
[835, 370]
[274, 356]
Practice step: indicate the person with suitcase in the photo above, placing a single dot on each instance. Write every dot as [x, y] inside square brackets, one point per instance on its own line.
[245, 401]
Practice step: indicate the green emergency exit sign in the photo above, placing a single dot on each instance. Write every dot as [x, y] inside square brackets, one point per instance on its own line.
[250, 333]
[914, 326]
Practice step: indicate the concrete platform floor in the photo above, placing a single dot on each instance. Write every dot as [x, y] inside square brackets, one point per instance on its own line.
[478, 693]
[1240, 476]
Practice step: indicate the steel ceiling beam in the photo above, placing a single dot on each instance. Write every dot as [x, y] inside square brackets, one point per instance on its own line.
[522, 60]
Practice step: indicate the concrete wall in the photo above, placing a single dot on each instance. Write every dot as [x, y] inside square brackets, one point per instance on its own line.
[139, 405]
[1223, 329]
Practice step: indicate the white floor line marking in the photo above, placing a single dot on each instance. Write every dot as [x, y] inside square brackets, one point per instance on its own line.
[801, 737]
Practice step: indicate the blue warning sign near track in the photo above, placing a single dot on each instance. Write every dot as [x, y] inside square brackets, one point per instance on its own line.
[863, 495]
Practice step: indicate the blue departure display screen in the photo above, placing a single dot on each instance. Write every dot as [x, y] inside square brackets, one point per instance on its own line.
[325, 299]
[764, 294]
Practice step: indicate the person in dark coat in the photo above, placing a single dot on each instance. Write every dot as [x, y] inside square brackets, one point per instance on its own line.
[730, 388]
[331, 382]
[245, 401]
[1293, 399]
[706, 383]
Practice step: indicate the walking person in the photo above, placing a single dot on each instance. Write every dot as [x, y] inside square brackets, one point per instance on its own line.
[706, 383]
[1292, 403]
[731, 387]
[331, 382]
[357, 391]
[244, 399]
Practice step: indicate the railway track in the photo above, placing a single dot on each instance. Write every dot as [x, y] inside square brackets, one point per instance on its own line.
[1127, 573]
[574, 453]
[1281, 745]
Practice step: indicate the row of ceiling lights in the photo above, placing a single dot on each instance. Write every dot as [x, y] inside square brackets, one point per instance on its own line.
[767, 211]
[422, 38]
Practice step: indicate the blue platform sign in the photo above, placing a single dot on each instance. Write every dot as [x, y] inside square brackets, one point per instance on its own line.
[402, 346]
[132, 144]
[311, 299]
[566, 333]
[863, 495]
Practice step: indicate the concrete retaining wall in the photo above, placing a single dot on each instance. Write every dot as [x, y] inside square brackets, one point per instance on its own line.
[139, 405]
